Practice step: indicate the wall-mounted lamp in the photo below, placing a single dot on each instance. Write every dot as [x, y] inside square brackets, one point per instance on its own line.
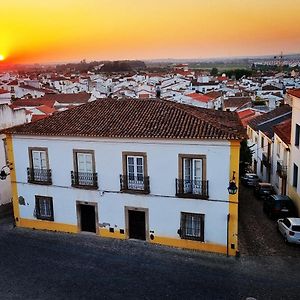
[5, 171]
[232, 189]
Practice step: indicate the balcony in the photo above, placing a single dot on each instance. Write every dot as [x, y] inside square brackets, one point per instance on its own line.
[39, 176]
[266, 160]
[281, 169]
[192, 188]
[135, 184]
[84, 180]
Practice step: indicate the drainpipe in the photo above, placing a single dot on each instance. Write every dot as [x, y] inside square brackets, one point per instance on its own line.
[227, 249]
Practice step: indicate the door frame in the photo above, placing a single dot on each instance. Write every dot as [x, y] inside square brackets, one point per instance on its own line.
[146, 211]
[78, 212]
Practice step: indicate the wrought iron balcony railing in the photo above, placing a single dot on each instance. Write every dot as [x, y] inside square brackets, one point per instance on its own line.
[84, 180]
[192, 188]
[135, 184]
[281, 169]
[39, 176]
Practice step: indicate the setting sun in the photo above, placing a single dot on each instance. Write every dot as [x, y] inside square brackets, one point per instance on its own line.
[1, 57]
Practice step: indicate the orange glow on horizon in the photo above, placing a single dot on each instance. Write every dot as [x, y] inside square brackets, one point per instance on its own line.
[69, 30]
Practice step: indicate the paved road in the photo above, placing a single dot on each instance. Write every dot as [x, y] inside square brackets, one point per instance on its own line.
[258, 234]
[47, 265]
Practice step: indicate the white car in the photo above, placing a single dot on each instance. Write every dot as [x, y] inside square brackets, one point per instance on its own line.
[290, 229]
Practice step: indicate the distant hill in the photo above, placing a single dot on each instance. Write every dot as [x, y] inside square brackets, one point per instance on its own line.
[106, 66]
[123, 66]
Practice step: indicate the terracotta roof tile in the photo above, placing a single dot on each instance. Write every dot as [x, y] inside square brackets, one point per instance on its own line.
[35, 118]
[81, 97]
[2, 91]
[214, 94]
[46, 109]
[246, 113]
[199, 97]
[294, 92]
[283, 130]
[236, 101]
[134, 118]
[33, 102]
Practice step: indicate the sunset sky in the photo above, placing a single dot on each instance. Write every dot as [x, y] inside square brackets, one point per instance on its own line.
[70, 30]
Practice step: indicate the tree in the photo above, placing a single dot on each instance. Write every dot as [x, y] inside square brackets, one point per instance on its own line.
[245, 157]
[214, 72]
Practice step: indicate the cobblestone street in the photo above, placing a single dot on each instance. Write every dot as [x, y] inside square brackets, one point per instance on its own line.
[258, 234]
[38, 264]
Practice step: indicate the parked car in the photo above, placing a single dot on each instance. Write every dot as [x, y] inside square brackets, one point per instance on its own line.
[263, 189]
[278, 206]
[250, 179]
[290, 229]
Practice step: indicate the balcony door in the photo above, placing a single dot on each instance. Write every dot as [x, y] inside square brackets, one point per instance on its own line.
[39, 165]
[192, 175]
[85, 168]
[135, 172]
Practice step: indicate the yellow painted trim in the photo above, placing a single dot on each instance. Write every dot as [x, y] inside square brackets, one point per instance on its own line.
[48, 225]
[13, 178]
[179, 243]
[103, 232]
[188, 244]
[292, 193]
[234, 199]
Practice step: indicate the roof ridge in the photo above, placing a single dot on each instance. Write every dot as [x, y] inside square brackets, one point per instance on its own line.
[135, 118]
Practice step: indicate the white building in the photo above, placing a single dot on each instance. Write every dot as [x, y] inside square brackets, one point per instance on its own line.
[146, 169]
[8, 118]
[281, 156]
[261, 135]
[5, 97]
[293, 97]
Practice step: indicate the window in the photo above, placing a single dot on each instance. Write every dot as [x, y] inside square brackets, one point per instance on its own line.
[297, 135]
[39, 171]
[44, 208]
[295, 176]
[5, 151]
[278, 148]
[287, 223]
[296, 228]
[262, 142]
[192, 175]
[192, 226]
[84, 169]
[135, 172]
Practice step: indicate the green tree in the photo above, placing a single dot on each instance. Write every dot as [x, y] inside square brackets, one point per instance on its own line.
[214, 72]
[245, 157]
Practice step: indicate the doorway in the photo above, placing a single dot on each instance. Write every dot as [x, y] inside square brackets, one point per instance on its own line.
[137, 224]
[87, 215]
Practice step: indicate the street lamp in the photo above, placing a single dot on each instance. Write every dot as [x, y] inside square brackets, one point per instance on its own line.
[232, 188]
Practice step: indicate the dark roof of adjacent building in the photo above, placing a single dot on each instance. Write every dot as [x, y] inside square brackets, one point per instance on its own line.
[273, 115]
[133, 118]
[81, 97]
[236, 101]
[283, 130]
[294, 92]
[32, 102]
[270, 87]
[214, 94]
